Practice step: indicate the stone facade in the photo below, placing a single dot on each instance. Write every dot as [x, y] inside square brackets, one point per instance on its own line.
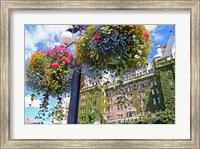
[149, 89]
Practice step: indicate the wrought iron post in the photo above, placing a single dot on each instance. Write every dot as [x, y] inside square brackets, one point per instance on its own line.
[75, 92]
[75, 86]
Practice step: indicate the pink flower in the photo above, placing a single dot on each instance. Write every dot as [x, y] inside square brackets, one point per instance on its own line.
[70, 54]
[65, 59]
[50, 51]
[54, 65]
[97, 36]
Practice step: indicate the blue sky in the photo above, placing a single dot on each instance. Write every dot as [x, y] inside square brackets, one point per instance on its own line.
[44, 37]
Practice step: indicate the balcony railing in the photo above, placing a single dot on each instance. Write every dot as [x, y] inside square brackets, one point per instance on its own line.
[122, 119]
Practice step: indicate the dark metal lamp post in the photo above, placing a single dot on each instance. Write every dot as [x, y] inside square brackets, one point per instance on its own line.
[67, 39]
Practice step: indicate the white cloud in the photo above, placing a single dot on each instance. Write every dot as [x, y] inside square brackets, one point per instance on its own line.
[42, 34]
[151, 28]
[155, 35]
[35, 103]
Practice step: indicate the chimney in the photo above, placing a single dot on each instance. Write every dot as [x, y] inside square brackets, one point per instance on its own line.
[159, 49]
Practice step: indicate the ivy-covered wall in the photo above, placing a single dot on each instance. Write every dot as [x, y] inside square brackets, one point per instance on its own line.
[162, 99]
[149, 97]
[167, 80]
[91, 105]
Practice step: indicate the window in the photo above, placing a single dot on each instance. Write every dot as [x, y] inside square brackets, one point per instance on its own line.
[151, 83]
[168, 72]
[158, 100]
[128, 105]
[145, 104]
[152, 91]
[110, 101]
[132, 104]
[160, 110]
[173, 92]
[155, 83]
[129, 97]
[170, 80]
[118, 108]
[131, 88]
[110, 109]
[157, 91]
[142, 95]
[121, 108]
[154, 101]
[140, 103]
[121, 115]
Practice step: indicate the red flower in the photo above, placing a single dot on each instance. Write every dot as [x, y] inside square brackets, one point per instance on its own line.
[146, 35]
[54, 65]
[65, 59]
[97, 36]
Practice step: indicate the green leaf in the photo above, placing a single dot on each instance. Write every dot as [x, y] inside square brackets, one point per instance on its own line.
[32, 97]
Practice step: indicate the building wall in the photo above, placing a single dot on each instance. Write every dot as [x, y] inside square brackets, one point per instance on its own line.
[166, 72]
[91, 101]
[149, 89]
[148, 92]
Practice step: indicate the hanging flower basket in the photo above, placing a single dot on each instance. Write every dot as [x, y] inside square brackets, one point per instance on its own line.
[49, 71]
[113, 47]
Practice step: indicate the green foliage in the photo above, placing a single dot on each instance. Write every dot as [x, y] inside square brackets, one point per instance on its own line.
[138, 99]
[58, 110]
[166, 74]
[49, 73]
[123, 101]
[91, 109]
[113, 47]
[166, 117]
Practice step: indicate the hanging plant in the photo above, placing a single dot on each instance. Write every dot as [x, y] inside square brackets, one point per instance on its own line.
[113, 47]
[49, 72]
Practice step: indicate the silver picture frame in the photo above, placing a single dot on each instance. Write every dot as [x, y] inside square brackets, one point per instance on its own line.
[7, 6]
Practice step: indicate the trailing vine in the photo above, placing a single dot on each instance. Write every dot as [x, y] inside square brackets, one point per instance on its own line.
[49, 72]
[92, 106]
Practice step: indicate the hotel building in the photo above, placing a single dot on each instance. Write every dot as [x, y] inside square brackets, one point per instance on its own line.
[149, 89]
